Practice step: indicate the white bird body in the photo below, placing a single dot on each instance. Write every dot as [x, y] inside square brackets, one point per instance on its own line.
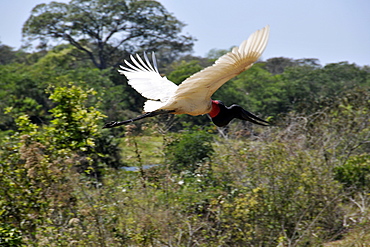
[192, 96]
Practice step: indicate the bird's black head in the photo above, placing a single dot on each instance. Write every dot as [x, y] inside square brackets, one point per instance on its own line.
[221, 115]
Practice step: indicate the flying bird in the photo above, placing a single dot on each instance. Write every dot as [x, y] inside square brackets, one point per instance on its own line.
[193, 96]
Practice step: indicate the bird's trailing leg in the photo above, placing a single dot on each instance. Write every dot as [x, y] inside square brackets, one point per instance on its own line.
[148, 114]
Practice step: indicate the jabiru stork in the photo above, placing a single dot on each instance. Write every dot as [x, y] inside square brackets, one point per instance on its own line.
[193, 96]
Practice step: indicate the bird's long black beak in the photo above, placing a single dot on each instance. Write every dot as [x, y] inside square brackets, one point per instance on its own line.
[246, 115]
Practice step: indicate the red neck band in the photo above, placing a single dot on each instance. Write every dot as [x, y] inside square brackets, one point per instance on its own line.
[215, 109]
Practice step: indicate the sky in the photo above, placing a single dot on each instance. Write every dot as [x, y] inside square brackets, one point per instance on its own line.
[329, 30]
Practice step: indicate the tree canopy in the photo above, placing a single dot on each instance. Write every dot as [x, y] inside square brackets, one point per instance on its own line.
[106, 31]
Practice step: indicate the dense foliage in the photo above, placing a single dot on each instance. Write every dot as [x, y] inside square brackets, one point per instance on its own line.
[178, 180]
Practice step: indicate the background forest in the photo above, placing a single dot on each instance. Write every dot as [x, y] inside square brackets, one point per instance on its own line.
[173, 180]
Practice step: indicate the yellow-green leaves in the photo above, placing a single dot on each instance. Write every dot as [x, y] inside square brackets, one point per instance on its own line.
[74, 124]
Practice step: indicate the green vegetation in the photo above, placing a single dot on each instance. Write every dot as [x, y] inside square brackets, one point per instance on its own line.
[109, 30]
[303, 182]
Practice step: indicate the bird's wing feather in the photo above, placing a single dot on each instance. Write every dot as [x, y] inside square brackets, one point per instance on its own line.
[145, 79]
[208, 80]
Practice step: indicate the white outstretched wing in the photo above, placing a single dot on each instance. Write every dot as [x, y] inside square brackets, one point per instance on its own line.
[146, 80]
[204, 83]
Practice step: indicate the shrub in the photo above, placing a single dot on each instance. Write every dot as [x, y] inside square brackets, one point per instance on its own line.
[355, 173]
[10, 236]
[188, 150]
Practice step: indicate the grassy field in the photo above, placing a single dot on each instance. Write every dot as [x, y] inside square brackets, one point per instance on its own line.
[149, 149]
[143, 150]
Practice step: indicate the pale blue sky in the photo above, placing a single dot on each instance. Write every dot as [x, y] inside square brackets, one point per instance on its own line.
[329, 30]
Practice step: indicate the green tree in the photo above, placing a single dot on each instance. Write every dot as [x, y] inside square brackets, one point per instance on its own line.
[103, 29]
[7, 54]
[216, 53]
[38, 163]
[183, 70]
[277, 65]
[75, 127]
[22, 87]
[308, 87]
